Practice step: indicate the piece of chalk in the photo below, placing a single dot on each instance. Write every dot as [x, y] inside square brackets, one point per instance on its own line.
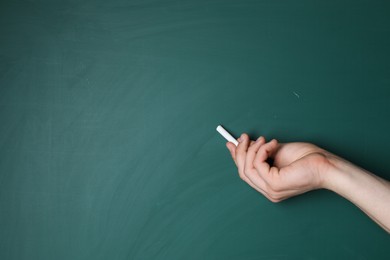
[227, 136]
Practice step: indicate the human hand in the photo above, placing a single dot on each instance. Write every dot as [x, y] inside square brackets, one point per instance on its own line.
[301, 167]
[297, 167]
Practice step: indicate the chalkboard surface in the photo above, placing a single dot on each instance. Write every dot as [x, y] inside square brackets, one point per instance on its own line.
[108, 110]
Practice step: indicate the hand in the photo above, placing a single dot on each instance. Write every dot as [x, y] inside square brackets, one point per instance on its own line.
[301, 167]
[297, 167]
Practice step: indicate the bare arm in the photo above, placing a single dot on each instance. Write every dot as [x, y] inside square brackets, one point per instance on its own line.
[301, 167]
[367, 191]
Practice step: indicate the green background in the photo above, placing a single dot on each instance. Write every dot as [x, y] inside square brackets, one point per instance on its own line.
[108, 110]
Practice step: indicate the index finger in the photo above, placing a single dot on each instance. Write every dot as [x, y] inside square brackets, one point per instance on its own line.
[241, 151]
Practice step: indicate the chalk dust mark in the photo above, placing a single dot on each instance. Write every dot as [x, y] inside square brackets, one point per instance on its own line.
[296, 94]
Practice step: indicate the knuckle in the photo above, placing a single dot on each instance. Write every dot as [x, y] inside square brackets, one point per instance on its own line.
[275, 200]
[256, 163]
[262, 150]
[272, 193]
[275, 196]
[274, 184]
[248, 172]
[275, 187]
[242, 175]
[246, 168]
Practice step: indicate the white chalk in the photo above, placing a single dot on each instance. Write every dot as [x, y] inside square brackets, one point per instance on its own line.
[227, 136]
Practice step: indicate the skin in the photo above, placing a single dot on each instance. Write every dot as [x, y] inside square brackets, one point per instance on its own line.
[301, 167]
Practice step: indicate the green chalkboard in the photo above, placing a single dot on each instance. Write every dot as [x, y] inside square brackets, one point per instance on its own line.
[108, 110]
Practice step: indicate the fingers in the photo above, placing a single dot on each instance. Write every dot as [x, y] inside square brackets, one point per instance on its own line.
[250, 158]
[232, 149]
[241, 153]
[245, 165]
[252, 150]
[249, 169]
[260, 161]
[269, 175]
[240, 158]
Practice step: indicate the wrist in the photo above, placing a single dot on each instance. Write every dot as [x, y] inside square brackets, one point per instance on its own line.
[367, 191]
[341, 175]
[334, 173]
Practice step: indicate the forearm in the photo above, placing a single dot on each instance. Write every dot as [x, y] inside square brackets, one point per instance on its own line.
[367, 191]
